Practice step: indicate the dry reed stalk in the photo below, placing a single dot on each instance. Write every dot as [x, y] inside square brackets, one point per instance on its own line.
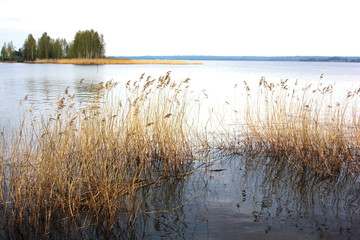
[91, 162]
[304, 124]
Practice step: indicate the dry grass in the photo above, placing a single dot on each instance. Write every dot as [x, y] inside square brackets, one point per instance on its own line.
[84, 166]
[305, 124]
[100, 61]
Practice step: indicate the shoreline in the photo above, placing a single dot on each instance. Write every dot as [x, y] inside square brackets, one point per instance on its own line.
[171, 60]
[104, 61]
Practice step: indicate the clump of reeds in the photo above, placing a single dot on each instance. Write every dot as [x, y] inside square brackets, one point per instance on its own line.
[305, 124]
[83, 165]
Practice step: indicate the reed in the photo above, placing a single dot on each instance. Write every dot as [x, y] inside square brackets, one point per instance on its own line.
[306, 124]
[83, 164]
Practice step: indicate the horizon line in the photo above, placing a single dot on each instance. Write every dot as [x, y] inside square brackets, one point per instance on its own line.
[206, 55]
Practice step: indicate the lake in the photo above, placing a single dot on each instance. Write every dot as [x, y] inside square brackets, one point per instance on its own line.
[42, 83]
[246, 197]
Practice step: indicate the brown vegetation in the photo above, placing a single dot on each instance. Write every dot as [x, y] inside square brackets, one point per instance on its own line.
[83, 166]
[99, 61]
[304, 124]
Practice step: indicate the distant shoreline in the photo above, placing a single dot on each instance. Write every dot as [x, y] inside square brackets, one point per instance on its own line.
[250, 58]
[184, 59]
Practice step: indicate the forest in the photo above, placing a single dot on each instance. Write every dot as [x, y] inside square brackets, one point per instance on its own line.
[86, 44]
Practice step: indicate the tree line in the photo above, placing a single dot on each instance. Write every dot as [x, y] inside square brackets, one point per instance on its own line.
[86, 44]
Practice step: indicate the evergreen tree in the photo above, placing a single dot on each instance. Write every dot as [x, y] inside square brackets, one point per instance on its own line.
[29, 48]
[19, 55]
[4, 52]
[44, 46]
[57, 51]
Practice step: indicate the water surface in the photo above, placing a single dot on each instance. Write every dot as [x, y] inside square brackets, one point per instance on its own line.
[42, 83]
[252, 197]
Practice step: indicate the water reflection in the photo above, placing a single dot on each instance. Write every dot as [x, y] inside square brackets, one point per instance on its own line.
[255, 196]
[310, 203]
[247, 197]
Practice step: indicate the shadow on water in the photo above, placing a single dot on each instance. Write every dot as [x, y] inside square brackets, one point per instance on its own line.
[238, 197]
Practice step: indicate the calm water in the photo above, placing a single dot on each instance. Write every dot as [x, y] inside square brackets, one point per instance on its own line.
[252, 198]
[43, 83]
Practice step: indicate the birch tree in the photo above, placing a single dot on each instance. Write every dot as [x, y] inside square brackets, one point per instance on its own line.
[88, 44]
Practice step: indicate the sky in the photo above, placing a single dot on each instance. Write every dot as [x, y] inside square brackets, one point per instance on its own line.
[193, 27]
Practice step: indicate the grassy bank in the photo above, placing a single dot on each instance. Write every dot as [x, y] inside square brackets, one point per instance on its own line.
[7, 61]
[100, 61]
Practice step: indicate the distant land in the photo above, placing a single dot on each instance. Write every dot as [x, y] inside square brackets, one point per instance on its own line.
[247, 58]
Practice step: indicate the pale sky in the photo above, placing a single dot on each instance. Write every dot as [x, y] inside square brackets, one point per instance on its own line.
[193, 27]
